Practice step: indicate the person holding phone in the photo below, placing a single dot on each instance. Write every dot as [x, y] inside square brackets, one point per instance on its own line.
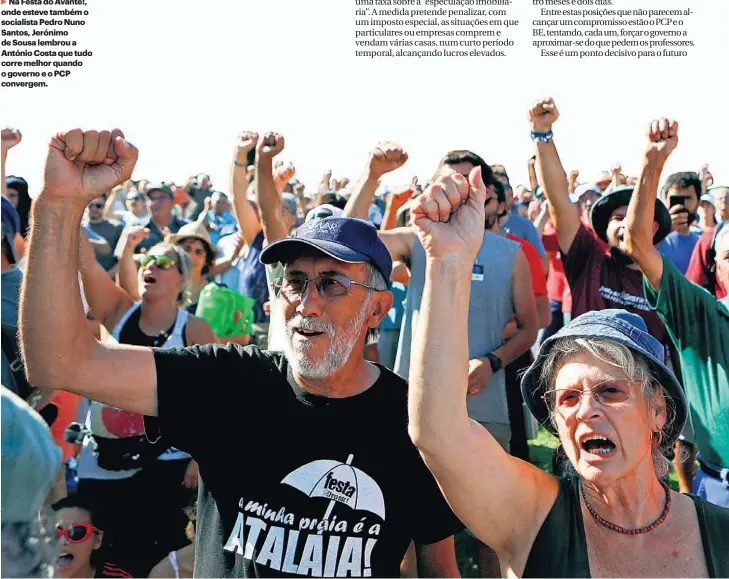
[681, 192]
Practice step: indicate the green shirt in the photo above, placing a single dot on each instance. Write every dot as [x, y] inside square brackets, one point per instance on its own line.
[699, 326]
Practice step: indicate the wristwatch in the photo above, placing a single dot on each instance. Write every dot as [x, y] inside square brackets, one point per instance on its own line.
[496, 363]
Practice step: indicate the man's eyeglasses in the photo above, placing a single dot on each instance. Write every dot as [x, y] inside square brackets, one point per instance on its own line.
[162, 261]
[329, 286]
[609, 393]
[77, 533]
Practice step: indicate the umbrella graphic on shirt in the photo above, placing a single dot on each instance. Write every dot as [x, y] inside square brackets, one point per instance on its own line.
[341, 483]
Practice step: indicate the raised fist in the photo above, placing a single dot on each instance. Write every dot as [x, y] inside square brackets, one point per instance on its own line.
[543, 115]
[269, 146]
[283, 175]
[246, 142]
[10, 138]
[136, 236]
[449, 216]
[325, 185]
[401, 194]
[662, 138]
[81, 165]
[386, 157]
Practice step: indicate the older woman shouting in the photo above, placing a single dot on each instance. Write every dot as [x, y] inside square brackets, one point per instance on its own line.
[600, 384]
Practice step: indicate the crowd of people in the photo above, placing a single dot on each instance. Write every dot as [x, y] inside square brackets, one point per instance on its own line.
[272, 381]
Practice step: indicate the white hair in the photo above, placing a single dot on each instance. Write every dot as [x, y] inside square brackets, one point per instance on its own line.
[722, 242]
[342, 343]
[636, 369]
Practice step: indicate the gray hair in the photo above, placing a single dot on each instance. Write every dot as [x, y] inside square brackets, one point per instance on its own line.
[636, 368]
[30, 549]
[376, 280]
[184, 265]
[722, 241]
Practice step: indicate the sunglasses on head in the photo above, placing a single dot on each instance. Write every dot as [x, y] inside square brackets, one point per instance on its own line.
[161, 261]
[77, 533]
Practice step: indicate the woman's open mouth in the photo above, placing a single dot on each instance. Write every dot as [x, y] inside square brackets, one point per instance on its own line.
[598, 445]
[65, 560]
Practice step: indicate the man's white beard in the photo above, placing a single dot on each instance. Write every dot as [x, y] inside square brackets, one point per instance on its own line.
[341, 344]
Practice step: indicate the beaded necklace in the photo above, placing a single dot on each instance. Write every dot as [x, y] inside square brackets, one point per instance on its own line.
[618, 528]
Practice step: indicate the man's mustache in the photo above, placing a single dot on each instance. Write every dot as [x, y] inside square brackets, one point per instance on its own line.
[310, 325]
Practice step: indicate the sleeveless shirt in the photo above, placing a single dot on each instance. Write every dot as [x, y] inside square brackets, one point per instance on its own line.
[490, 308]
[560, 548]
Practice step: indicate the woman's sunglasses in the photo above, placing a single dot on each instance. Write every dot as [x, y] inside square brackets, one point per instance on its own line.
[77, 533]
[162, 261]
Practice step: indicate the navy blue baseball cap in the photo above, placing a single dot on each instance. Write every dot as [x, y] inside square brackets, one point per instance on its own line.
[343, 238]
[10, 228]
[617, 326]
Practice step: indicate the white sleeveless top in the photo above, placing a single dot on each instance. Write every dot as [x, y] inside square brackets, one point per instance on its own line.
[111, 422]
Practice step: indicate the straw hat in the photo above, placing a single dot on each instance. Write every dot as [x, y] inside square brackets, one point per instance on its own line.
[194, 230]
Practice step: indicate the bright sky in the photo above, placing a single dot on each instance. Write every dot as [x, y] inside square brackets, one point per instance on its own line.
[182, 78]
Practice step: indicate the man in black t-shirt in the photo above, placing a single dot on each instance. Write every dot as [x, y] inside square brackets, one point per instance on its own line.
[306, 467]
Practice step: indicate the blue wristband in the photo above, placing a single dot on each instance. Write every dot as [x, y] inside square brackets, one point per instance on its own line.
[542, 137]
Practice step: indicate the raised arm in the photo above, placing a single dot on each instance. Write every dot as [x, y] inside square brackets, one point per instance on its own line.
[395, 201]
[552, 176]
[59, 351]
[223, 263]
[267, 194]
[105, 298]
[384, 158]
[639, 228]
[533, 179]
[10, 138]
[127, 266]
[248, 220]
[500, 498]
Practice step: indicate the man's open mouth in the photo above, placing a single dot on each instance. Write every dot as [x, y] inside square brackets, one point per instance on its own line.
[307, 333]
[597, 444]
[149, 279]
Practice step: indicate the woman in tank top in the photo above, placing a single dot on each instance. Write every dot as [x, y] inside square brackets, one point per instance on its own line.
[601, 385]
[195, 240]
[154, 486]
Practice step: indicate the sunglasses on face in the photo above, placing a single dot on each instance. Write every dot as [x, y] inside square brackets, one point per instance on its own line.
[329, 286]
[161, 261]
[611, 393]
[157, 198]
[96, 205]
[77, 533]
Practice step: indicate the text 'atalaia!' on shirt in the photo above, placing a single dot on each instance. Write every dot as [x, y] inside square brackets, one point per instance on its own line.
[293, 484]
